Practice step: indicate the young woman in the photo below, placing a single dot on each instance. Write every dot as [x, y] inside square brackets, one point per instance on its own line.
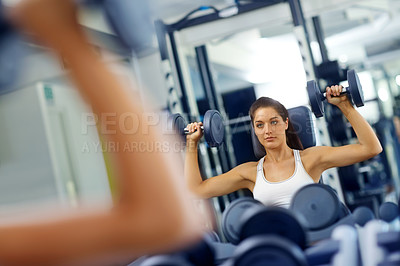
[286, 167]
[153, 211]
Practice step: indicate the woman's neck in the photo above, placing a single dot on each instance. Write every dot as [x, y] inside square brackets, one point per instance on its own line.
[279, 154]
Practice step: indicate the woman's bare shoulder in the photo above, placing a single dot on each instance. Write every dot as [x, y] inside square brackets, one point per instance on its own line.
[247, 170]
[247, 166]
[314, 150]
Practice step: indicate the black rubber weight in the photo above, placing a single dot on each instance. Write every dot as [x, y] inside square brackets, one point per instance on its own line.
[315, 97]
[268, 250]
[214, 129]
[231, 217]
[318, 205]
[178, 123]
[262, 220]
[355, 88]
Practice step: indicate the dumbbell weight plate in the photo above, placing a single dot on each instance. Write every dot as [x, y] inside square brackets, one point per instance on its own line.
[231, 216]
[362, 215]
[214, 129]
[355, 88]
[268, 250]
[317, 204]
[388, 211]
[262, 220]
[178, 123]
[315, 97]
[200, 253]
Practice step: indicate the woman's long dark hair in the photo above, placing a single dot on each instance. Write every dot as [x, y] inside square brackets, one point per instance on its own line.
[292, 139]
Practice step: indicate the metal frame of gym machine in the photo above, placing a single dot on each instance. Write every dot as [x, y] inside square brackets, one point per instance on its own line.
[181, 95]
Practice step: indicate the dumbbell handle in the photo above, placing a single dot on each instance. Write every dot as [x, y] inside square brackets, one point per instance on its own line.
[344, 91]
[186, 131]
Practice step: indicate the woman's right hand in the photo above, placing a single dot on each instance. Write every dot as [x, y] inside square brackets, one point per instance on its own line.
[195, 132]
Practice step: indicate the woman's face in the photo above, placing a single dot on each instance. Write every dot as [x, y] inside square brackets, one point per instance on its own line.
[269, 127]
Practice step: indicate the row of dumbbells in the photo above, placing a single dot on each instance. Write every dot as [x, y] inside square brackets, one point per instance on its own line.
[379, 237]
[260, 235]
[338, 238]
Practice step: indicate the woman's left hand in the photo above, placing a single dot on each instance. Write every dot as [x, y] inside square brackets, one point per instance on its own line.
[333, 95]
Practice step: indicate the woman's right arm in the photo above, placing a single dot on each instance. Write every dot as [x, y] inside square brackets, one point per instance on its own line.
[242, 176]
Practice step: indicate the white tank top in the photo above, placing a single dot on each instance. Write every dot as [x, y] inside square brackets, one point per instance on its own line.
[280, 193]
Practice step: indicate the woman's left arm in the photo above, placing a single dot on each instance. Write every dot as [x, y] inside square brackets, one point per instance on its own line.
[368, 144]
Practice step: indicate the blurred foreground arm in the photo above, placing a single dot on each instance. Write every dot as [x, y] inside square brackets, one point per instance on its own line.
[153, 211]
